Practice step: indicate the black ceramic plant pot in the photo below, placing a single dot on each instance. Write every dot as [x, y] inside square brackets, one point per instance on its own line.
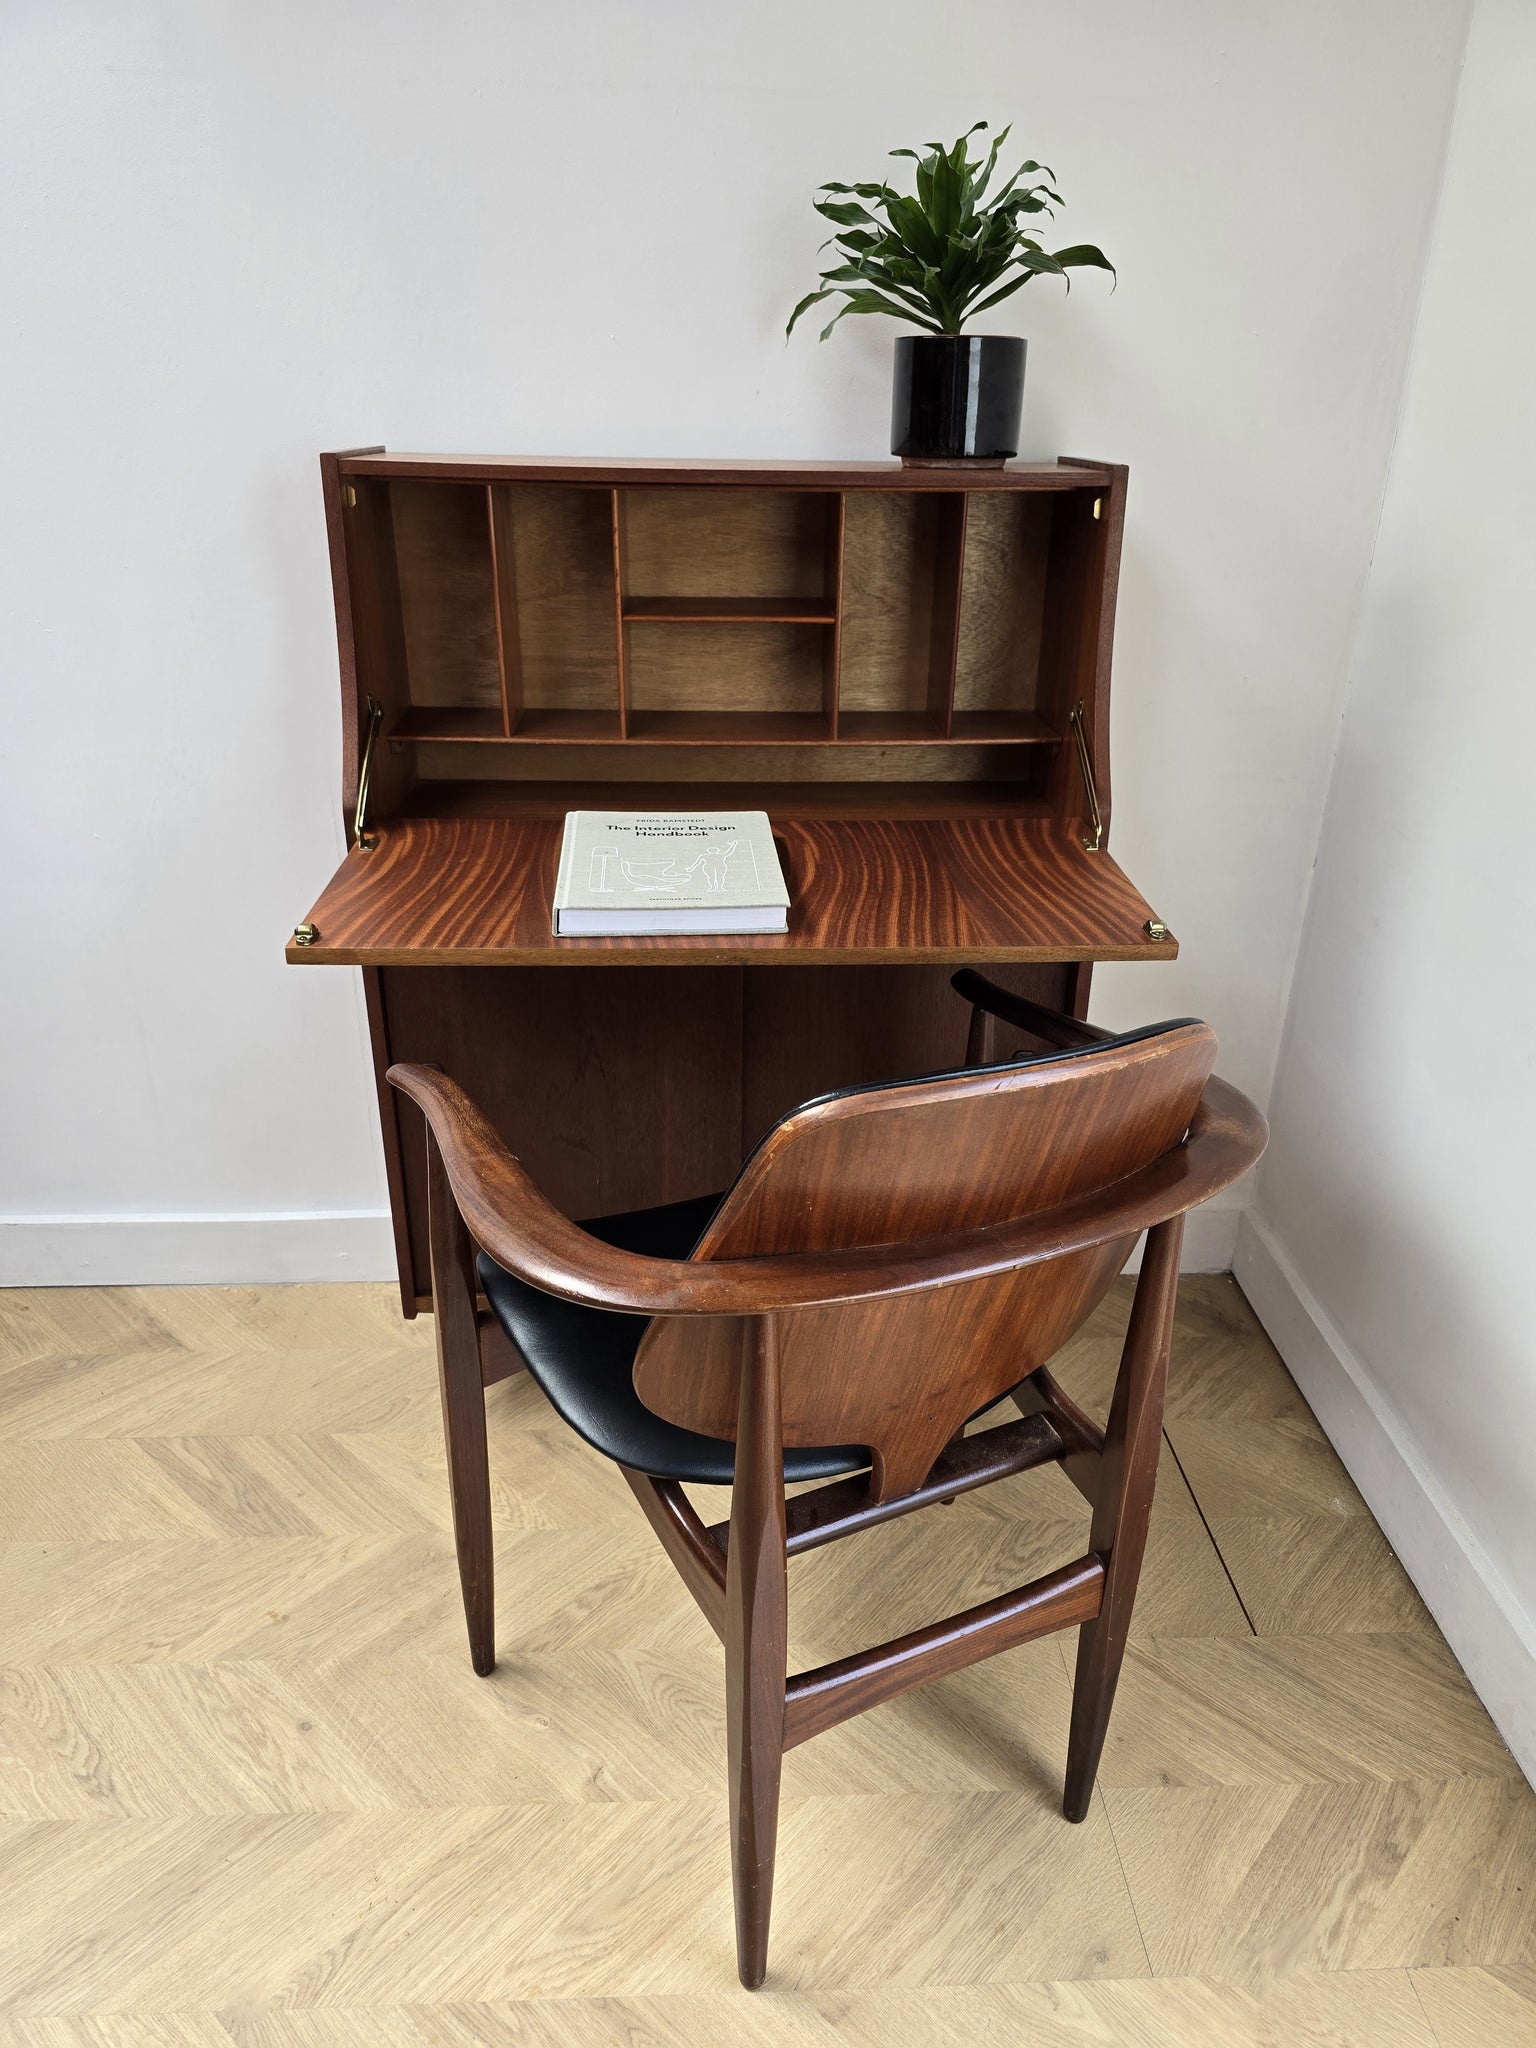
[957, 397]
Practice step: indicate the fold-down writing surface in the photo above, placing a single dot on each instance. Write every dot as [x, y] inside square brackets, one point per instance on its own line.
[476, 891]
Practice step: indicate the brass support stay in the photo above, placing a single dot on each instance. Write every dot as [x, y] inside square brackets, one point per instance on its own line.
[365, 841]
[1093, 839]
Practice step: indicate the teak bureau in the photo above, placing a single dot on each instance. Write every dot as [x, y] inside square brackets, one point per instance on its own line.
[907, 668]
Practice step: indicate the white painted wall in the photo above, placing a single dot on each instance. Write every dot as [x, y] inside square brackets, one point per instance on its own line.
[234, 235]
[1392, 1251]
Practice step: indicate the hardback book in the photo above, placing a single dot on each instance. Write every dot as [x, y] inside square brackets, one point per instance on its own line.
[631, 873]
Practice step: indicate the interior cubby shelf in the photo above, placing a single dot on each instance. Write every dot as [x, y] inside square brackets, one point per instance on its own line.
[724, 728]
[724, 611]
[482, 725]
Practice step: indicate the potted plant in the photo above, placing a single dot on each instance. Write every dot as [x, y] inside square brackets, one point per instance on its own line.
[935, 259]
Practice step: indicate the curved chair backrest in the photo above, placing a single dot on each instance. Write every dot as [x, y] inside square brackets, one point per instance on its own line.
[915, 1160]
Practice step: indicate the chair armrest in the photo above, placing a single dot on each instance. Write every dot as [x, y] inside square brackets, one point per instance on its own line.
[1054, 1026]
[522, 1230]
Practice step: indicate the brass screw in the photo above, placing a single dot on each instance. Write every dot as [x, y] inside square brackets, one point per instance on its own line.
[305, 934]
[1155, 928]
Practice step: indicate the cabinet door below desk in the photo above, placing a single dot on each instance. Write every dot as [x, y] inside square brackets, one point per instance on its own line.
[620, 1087]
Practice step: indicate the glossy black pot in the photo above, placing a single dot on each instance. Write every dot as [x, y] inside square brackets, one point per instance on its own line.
[957, 397]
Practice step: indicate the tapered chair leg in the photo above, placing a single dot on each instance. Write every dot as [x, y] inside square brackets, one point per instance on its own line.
[1123, 1506]
[756, 1646]
[459, 1380]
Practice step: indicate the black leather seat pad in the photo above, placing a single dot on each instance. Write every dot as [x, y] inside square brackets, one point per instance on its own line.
[584, 1358]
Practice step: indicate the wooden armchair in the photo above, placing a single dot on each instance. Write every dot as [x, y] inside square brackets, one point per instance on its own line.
[889, 1262]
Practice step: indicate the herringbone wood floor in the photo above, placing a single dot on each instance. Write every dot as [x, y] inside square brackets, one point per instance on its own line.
[252, 1795]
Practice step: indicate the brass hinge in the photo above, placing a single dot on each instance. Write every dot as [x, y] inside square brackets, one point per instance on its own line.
[366, 842]
[1093, 839]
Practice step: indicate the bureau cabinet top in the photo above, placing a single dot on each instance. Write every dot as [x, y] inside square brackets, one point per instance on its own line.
[1065, 475]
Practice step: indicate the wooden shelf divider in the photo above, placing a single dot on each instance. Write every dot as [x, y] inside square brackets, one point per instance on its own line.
[833, 583]
[722, 611]
[944, 645]
[539, 726]
[509, 667]
[729, 728]
[1002, 728]
[449, 722]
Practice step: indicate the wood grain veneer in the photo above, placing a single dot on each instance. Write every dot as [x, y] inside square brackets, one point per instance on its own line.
[703, 666]
[752, 544]
[889, 548]
[447, 594]
[887, 1166]
[562, 561]
[476, 892]
[708, 1057]
[795, 760]
[510, 1217]
[551, 797]
[1002, 603]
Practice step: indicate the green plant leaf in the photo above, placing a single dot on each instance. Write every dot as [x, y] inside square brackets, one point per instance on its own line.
[859, 191]
[918, 301]
[915, 229]
[981, 183]
[997, 298]
[872, 274]
[923, 178]
[1084, 255]
[944, 208]
[810, 299]
[845, 212]
[945, 250]
[873, 302]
